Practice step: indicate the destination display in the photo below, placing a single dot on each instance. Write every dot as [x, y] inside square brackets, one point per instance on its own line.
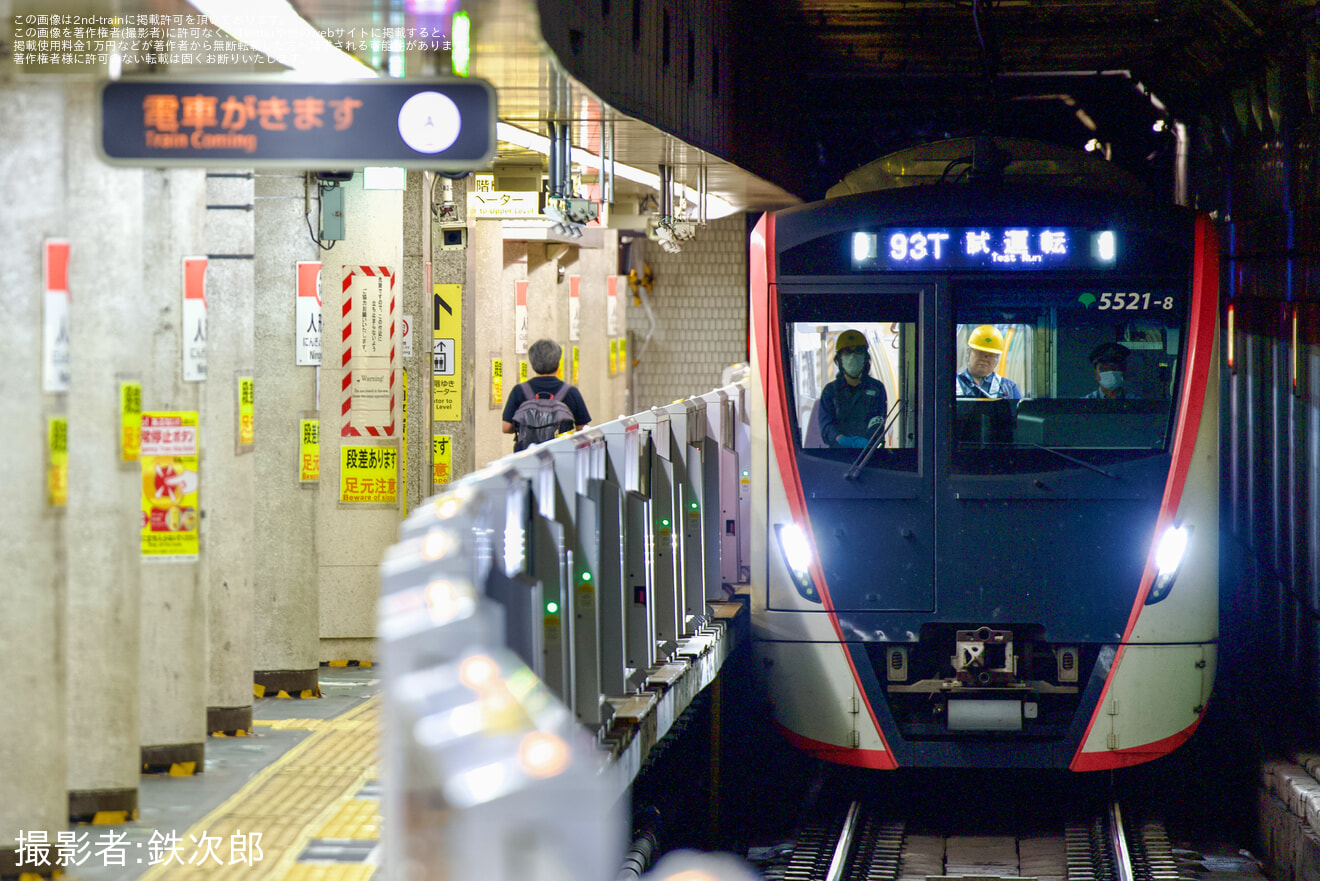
[1013, 248]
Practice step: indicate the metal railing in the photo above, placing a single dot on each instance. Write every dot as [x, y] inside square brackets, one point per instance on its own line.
[531, 615]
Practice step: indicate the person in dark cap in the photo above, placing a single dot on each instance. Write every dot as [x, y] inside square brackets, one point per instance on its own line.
[1110, 363]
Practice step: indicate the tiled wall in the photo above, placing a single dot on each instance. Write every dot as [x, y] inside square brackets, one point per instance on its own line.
[699, 300]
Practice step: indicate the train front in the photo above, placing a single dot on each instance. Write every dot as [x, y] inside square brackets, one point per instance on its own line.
[986, 473]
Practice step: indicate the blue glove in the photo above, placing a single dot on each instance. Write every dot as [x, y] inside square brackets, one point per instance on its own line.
[851, 441]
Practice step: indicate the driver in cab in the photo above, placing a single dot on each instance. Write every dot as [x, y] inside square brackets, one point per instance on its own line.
[854, 403]
[985, 346]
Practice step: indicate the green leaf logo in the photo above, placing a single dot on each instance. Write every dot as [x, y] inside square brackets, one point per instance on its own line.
[1086, 300]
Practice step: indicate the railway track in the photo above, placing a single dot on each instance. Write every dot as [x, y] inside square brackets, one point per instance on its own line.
[860, 843]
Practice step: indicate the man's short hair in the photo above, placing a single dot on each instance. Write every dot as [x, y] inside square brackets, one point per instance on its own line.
[544, 356]
[1109, 353]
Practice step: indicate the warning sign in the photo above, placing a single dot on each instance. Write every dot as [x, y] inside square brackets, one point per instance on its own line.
[574, 308]
[369, 475]
[57, 482]
[130, 420]
[170, 513]
[309, 450]
[574, 380]
[446, 353]
[496, 382]
[441, 446]
[369, 351]
[246, 433]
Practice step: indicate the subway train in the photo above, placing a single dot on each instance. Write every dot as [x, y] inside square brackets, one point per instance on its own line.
[984, 446]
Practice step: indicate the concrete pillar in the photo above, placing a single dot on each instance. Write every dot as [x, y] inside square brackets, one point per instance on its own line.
[608, 392]
[351, 539]
[454, 266]
[415, 468]
[173, 648]
[226, 461]
[488, 310]
[103, 523]
[285, 597]
[32, 726]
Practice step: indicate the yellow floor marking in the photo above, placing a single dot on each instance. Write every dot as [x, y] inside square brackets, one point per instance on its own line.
[357, 819]
[329, 872]
[289, 802]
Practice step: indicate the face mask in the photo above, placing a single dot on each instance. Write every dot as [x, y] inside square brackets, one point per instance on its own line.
[1111, 379]
[852, 364]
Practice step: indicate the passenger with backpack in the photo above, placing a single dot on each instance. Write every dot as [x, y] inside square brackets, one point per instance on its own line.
[545, 405]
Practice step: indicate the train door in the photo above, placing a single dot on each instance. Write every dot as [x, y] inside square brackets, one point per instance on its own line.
[856, 368]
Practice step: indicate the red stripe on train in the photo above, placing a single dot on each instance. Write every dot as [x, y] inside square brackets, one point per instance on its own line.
[1200, 348]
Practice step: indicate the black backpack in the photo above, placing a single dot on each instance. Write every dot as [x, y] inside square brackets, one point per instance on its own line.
[539, 419]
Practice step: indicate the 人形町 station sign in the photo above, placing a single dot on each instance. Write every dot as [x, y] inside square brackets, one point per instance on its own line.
[441, 125]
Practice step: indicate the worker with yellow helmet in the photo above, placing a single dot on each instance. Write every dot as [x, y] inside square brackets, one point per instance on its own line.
[854, 403]
[985, 346]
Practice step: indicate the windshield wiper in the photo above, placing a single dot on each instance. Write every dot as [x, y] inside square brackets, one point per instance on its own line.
[1096, 468]
[873, 442]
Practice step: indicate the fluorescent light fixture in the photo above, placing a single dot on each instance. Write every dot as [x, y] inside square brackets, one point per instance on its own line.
[461, 37]
[511, 134]
[273, 28]
[384, 177]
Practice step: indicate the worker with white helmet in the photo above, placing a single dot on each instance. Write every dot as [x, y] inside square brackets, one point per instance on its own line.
[985, 346]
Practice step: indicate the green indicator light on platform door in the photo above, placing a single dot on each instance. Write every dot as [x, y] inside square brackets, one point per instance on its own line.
[461, 43]
[586, 576]
[551, 607]
[746, 473]
[693, 506]
[665, 523]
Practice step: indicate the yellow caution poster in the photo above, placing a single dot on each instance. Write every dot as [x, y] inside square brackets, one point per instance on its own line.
[369, 475]
[130, 420]
[623, 353]
[309, 450]
[496, 382]
[57, 483]
[446, 353]
[441, 453]
[574, 380]
[169, 457]
[614, 355]
[245, 428]
[522, 370]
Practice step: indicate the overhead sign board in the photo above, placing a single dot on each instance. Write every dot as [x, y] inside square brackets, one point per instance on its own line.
[262, 122]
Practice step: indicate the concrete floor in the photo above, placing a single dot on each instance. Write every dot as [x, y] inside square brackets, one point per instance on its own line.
[312, 764]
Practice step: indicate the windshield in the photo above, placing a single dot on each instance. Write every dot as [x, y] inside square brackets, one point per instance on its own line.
[854, 375]
[1086, 367]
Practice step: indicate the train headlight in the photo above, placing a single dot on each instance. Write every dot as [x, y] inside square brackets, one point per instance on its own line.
[1169, 555]
[797, 556]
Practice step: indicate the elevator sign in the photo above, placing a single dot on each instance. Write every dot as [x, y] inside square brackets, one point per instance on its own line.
[260, 122]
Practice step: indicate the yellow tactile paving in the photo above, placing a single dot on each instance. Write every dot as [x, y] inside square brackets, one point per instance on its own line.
[309, 789]
[358, 819]
[326, 872]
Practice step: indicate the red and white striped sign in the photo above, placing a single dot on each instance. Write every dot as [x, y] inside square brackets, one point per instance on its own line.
[520, 341]
[194, 319]
[56, 352]
[370, 353]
